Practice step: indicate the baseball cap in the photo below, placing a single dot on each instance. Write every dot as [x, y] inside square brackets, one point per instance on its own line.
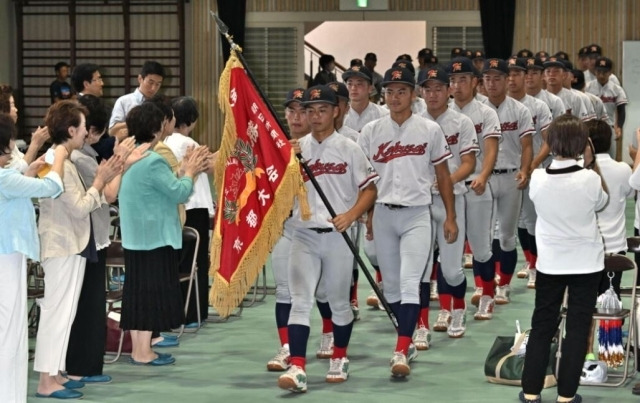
[425, 52]
[534, 63]
[340, 89]
[461, 65]
[524, 53]
[357, 71]
[553, 62]
[497, 65]
[371, 56]
[468, 53]
[398, 75]
[517, 63]
[578, 80]
[319, 94]
[604, 63]
[405, 64]
[594, 49]
[431, 60]
[478, 54]
[583, 52]
[562, 55]
[295, 95]
[567, 65]
[457, 52]
[404, 56]
[434, 73]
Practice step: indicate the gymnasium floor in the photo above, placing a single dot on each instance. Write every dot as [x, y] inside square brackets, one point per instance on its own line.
[226, 362]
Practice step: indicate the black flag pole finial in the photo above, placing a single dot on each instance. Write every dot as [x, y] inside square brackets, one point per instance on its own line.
[224, 30]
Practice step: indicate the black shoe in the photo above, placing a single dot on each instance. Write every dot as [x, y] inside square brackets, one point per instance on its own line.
[576, 399]
[525, 400]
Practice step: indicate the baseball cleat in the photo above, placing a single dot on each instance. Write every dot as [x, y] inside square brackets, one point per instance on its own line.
[281, 361]
[294, 380]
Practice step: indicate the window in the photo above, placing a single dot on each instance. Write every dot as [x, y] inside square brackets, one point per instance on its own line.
[447, 38]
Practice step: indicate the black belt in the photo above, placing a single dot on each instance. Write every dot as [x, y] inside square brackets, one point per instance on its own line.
[324, 230]
[503, 171]
[468, 183]
[394, 206]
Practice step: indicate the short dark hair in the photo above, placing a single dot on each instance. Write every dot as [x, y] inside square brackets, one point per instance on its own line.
[60, 65]
[6, 92]
[567, 136]
[7, 131]
[600, 135]
[325, 60]
[61, 116]
[97, 116]
[152, 67]
[164, 104]
[144, 121]
[81, 73]
[185, 110]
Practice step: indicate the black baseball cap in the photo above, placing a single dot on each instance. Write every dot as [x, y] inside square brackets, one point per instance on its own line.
[518, 63]
[398, 75]
[457, 52]
[404, 64]
[534, 63]
[357, 71]
[562, 55]
[567, 65]
[434, 73]
[594, 50]
[524, 53]
[497, 65]
[295, 95]
[340, 89]
[578, 80]
[478, 54]
[319, 94]
[583, 52]
[553, 62]
[425, 53]
[461, 65]
[604, 63]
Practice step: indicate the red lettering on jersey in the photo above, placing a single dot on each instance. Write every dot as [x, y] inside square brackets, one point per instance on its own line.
[507, 126]
[387, 152]
[330, 168]
[478, 128]
[608, 99]
[453, 139]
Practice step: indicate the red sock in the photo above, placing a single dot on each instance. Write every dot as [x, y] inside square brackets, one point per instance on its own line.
[283, 333]
[354, 292]
[505, 279]
[327, 326]
[527, 255]
[458, 303]
[497, 266]
[434, 272]
[402, 344]
[445, 301]
[423, 318]
[299, 361]
[534, 261]
[378, 277]
[339, 352]
[467, 247]
[487, 288]
[478, 281]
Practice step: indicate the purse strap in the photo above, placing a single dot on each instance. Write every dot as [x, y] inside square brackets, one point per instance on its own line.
[511, 353]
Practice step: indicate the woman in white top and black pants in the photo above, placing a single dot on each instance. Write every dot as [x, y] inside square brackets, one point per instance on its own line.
[570, 255]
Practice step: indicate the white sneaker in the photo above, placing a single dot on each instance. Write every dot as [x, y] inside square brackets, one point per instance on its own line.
[442, 323]
[475, 298]
[467, 261]
[524, 271]
[485, 309]
[412, 351]
[458, 323]
[355, 310]
[326, 346]
[532, 279]
[433, 290]
[422, 338]
[294, 380]
[281, 361]
[399, 365]
[502, 294]
[338, 370]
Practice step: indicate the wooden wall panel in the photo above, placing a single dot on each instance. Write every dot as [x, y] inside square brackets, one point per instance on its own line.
[568, 25]
[334, 5]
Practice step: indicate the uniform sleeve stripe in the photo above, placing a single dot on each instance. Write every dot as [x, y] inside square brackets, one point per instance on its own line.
[442, 158]
[527, 132]
[367, 181]
[469, 150]
[492, 135]
[623, 102]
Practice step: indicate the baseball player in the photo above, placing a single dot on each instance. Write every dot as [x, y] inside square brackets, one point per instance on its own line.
[612, 95]
[463, 144]
[594, 52]
[479, 199]
[319, 256]
[568, 80]
[542, 118]
[406, 150]
[342, 93]
[555, 74]
[361, 111]
[511, 172]
[598, 106]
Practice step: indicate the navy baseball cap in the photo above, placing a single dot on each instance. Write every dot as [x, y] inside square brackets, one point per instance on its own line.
[583, 52]
[435, 74]
[604, 63]
[553, 62]
[457, 52]
[425, 52]
[319, 94]
[357, 71]
[340, 89]
[594, 50]
[534, 63]
[404, 64]
[562, 55]
[398, 75]
[461, 65]
[478, 54]
[578, 80]
[518, 63]
[567, 65]
[497, 65]
[524, 53]
[295, 95]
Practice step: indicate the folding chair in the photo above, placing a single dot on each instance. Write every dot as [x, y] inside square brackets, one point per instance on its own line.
[35, 291]
[614, 263]
[190, 244]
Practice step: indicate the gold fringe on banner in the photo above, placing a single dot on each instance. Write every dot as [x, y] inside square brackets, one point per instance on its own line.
[226, 296]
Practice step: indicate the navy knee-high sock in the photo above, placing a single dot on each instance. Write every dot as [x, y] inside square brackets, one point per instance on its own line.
[523, 237]
[425, 293]
[408, 315]
[342, 335]
[508, 262]
[282, 314]
[298, 338]
[496, 250]
[532, 245]
[395, 308]
[443, 286]
[325, 309]
[459, 290]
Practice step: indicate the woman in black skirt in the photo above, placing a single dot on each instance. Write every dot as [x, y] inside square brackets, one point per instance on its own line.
[152, 236]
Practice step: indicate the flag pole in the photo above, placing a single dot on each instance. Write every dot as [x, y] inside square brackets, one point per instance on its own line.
[224, 30]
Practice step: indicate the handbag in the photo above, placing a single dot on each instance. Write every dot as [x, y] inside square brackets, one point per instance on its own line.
[504, 365]
[115, 336]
